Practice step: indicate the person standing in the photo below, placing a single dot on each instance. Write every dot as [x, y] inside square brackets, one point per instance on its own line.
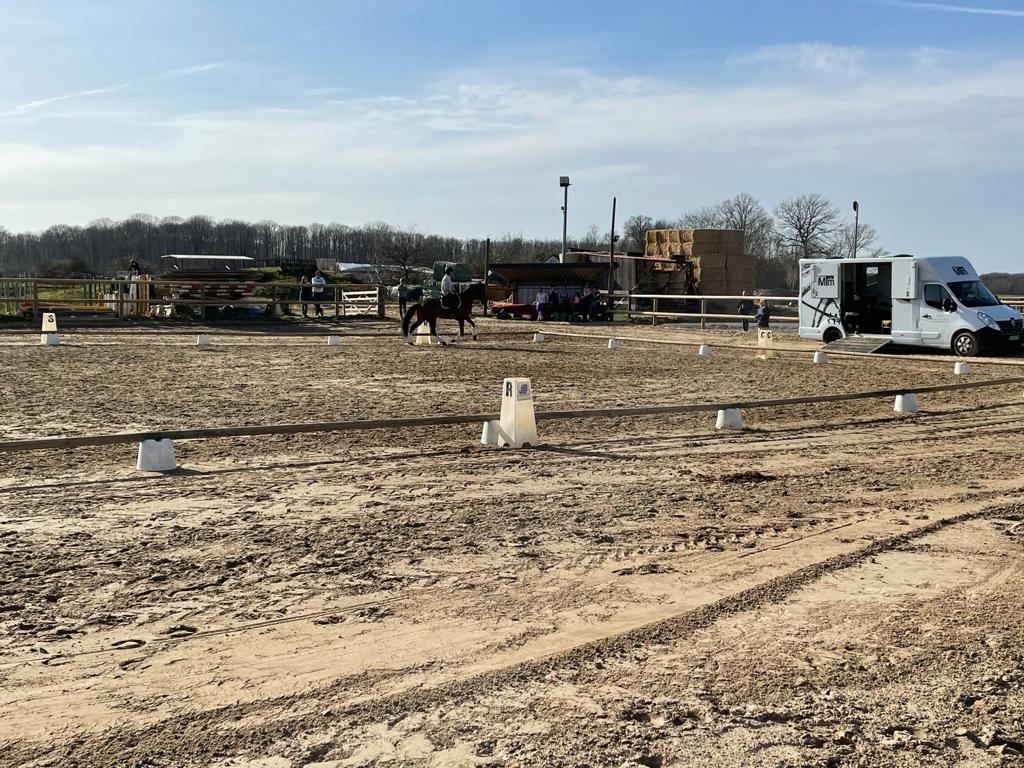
[403, 296]
[542, 303]
[304, 295]
[317, 290]
[764, 314]
[595, 304]
[745, 308]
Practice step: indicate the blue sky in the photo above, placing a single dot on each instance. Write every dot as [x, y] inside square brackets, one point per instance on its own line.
[458, 117]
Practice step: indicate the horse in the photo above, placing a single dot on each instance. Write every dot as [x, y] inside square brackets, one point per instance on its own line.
[431, 310]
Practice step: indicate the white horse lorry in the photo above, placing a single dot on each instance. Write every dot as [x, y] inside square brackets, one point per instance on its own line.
[929, 302]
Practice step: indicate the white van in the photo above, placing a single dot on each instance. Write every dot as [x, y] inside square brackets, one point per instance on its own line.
[929, 302]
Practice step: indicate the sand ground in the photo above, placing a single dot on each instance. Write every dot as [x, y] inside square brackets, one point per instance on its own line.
[837, 585]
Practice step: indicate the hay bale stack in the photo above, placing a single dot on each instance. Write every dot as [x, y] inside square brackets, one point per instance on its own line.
[719, 263]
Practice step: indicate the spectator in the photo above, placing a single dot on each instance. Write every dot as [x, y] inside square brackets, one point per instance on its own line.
[745, 308]
[595, 304]
[304, 295]
[852, 315]
[554, 306]
[764, 314]
[403, 296]
[317, 290]
[542, 303]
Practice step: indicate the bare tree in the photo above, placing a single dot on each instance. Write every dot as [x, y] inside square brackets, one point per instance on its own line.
[807, 224]
[708, 217]
[867, 243]
[634, 232]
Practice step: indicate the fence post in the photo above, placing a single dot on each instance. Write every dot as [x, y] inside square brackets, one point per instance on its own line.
[654, 308]
[202, 301]
[35, 301]
[703, 311]
[337, 310]
[380, 301]
[273, 299]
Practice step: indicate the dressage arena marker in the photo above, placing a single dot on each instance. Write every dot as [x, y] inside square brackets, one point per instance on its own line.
[613, 344]
[49, 336]
[521, 409]
[820, 358]
[517, 426]
[765, 342]
[203, 340]
[423, 337]
[156, 456]
[961, 368]
[333, 341]
[490, 433]
[906, 403]
[729, 418]
[538, 337]
[704, 350]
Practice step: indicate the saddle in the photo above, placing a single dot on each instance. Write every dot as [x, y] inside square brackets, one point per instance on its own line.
[451, 302]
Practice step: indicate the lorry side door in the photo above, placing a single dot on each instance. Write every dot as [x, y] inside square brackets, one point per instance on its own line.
[936, 322]
[905, 302]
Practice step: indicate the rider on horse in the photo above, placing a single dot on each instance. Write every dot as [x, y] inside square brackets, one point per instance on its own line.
[449, 296]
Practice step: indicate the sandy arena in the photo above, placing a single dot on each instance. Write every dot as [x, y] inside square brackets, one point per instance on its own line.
[836, 585]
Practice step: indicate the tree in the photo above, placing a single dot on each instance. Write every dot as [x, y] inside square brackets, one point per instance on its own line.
[634, 233]
[807, 224]
[708, 217]
[867, 243]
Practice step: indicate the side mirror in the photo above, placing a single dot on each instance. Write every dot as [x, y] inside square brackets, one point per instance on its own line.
[948, 305]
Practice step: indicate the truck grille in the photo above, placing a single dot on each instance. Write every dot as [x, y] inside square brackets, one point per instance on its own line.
[1011, 326]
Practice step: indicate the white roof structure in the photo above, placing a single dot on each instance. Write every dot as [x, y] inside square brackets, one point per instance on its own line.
[196, 257]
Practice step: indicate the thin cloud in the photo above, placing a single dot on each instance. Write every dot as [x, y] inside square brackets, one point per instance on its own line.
[187, 71]
[35, 104]
[39, 103]
[948, 8]
[822, 58]
[316, 31]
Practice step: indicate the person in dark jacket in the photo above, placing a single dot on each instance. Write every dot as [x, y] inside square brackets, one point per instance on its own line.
[304, 295]
[764, 314]
[745, 308]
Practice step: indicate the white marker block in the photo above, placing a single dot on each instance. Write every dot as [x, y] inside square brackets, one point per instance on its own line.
[50, 339]
[613, 344]
[333, 341]
[423, 337]
[518, 424]
[820, 358]
[49, 322]
[961, 368]
[156, 456]
[729, 418]
[704, 350]
[906, 403]
[203, 340]
[491, 432]
[538, 337]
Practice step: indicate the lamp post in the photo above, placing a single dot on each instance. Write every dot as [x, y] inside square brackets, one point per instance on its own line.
[563, 182]
[856, 226]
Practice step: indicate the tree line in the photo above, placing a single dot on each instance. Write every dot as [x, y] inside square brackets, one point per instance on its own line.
[804, 226]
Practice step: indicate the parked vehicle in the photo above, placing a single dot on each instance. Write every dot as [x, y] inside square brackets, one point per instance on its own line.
[930, 302]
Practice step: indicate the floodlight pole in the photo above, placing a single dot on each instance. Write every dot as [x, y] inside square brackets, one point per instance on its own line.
[563, 182]
[856, 226]
[611, 255]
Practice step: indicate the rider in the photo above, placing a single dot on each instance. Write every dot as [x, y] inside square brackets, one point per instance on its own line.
[449, 296]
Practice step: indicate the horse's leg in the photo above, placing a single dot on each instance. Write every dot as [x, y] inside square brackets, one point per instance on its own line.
[472, 325]
[433, 332]
[462, 326]
[412, 331]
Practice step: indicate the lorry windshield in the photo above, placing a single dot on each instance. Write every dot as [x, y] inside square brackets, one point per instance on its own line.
[973, 293]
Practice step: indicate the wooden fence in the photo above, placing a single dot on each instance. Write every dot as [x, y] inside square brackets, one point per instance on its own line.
[627, 303]
[155, 297]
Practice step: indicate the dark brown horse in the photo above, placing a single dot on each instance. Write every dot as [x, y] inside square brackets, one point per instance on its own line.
[431, 310]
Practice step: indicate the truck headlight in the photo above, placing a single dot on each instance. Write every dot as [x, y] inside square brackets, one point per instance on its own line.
[988, 321]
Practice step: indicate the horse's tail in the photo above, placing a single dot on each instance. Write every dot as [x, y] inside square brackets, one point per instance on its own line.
[407, 319]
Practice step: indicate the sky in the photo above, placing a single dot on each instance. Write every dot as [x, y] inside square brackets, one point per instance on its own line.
[458, 116]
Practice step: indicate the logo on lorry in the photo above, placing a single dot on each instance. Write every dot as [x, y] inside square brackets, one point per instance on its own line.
[826, 281]
[959, 271]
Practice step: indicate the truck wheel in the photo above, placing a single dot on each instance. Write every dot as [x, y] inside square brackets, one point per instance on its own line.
[832, 334]
[966, 344]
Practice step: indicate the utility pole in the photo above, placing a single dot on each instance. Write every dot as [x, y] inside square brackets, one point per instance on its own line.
[856, 226]
[487, 271]
[563, 182]
[611, 256]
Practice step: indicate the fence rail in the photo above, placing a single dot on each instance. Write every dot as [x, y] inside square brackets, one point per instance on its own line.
[49, 443]
[625, 303]
[128, 298]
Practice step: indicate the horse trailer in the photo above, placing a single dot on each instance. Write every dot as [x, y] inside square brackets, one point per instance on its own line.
[930, 302]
